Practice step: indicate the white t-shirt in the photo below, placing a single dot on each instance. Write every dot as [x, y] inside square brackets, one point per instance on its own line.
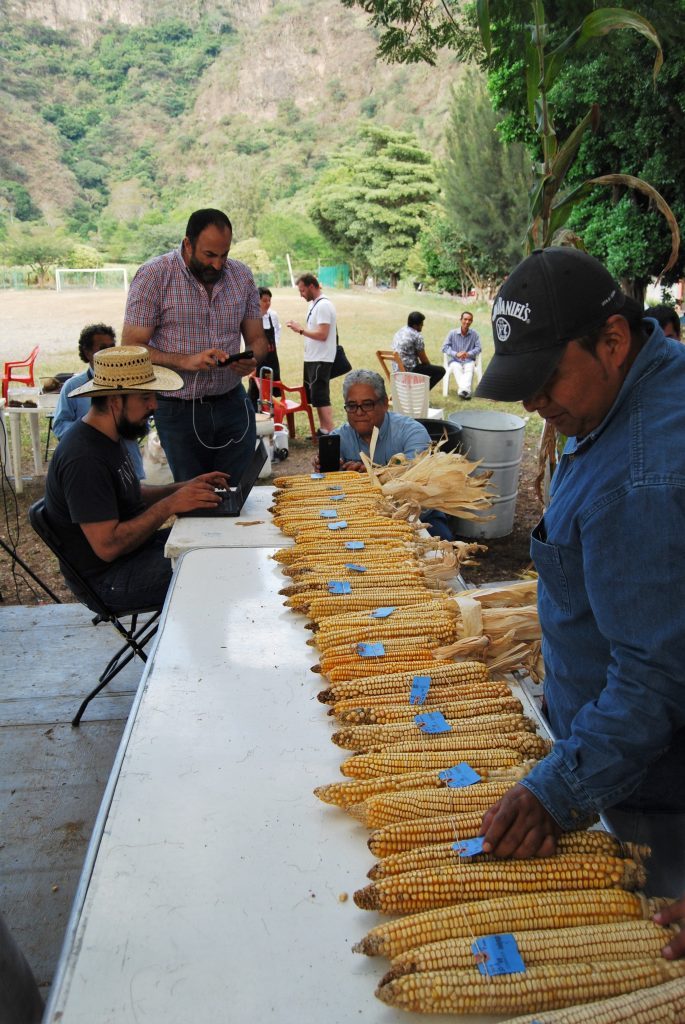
[321, 311]
[275, 323]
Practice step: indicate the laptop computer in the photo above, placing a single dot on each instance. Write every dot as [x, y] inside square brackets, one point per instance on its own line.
[234, 498]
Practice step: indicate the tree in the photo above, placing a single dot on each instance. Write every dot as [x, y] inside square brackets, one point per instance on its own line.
[485, 181]
[38, 248]
[533, 73]
[372, 202]
[452, 264]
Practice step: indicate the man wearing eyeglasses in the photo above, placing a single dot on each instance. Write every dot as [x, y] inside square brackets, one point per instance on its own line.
[366, 404]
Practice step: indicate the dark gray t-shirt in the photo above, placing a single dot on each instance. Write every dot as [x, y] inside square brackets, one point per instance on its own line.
[90, 480]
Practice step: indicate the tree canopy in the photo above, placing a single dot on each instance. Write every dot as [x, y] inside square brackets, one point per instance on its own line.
[371, 203]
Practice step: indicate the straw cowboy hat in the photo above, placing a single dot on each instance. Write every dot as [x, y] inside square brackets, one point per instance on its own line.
[127, 368]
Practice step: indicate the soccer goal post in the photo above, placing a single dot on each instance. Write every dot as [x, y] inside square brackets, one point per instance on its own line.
[90, 277]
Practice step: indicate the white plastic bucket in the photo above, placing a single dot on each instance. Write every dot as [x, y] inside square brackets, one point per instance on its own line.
[496, 440]
[265, 428]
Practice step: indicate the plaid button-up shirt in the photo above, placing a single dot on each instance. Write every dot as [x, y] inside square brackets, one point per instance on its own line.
[165, 295]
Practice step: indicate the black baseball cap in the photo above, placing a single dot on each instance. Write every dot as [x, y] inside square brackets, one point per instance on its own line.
[552, 296]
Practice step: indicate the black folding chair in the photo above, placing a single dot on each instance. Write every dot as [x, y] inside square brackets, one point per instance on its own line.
[137, 636]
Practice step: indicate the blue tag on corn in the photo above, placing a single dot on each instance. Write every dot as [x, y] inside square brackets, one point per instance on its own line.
[498, 954]
[469, 847]
[354, 567]
[339, 525]
[339, 587]
[354, 545]
[459, 775]
[382, 613]
[338, 497]
[328, 513]
[433, 722]
[316, 476]
[419, 689]
[370, 650]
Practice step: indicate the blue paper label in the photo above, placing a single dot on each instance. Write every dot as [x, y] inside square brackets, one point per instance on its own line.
[419, 689]
[354, 545]
[328, 513]
[374, 650]
[354, 567]
[498, 954]
[459, 775]
[433, 722]
[338, 497]
[382, 613]
[339, 525]
[469, 847]
[334, 487]
[316, 476]
[339, 587]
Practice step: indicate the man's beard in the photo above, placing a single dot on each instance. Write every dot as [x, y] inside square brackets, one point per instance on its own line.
[131, 431]
[208, 275]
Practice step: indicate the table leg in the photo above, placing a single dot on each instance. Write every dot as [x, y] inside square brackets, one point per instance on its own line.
[5, 460]
[34, 426]
[15, 441]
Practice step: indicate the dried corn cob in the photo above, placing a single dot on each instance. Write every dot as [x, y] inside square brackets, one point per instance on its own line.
[403, 714]
[370, 710]
[400, 682]
[431, 748]
[345, 477]
[540, 988]
[322, 606]
[436, 629]
[500, 729]
[346, 794]
[368, 766]
[370, 578]
[621, 940]
[408, 835]
[387, 808]
[336, 544]
[438, 887]
[658, 1004]
[403, 648]
[505, 914]
[443, 853]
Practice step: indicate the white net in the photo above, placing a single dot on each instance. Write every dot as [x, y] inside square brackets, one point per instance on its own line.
[69, 278]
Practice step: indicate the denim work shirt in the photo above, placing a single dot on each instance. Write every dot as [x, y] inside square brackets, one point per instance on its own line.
[610, 553]
[397, 435]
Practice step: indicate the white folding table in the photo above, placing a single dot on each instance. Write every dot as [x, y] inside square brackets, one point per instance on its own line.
[253, 528]
[214, 884]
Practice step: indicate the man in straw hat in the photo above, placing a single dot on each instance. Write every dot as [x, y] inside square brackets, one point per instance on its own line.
[108, 521]
[609, 551]
[191, 306]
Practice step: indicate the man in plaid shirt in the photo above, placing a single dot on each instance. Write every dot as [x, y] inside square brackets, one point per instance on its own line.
[190, 307]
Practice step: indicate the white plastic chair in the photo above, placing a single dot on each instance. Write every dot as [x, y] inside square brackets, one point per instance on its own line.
[410, 394]
[450, 371]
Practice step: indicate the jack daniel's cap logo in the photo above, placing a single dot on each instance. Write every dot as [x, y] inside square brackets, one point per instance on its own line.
[552, 296]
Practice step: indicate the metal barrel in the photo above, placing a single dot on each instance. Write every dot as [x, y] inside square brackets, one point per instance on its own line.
[496, 440]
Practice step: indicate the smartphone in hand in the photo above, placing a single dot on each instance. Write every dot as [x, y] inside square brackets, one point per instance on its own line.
[329, 453]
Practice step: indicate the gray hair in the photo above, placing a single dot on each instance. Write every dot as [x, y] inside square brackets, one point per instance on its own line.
[369, 377]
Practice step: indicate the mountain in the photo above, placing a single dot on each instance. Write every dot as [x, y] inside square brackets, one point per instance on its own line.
[121, 117]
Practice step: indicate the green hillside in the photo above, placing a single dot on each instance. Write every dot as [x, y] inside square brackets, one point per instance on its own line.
[114, 132]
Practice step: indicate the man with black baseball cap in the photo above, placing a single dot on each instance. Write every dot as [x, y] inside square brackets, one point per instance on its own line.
[609, 551]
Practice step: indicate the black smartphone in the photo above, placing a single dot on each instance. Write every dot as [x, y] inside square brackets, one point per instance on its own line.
[247, 354]
[329, 453]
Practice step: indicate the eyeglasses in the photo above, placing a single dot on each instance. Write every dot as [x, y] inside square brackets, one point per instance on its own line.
[365, 406]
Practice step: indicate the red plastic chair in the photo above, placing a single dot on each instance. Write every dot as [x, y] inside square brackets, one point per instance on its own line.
[9, 376]
[290, 406]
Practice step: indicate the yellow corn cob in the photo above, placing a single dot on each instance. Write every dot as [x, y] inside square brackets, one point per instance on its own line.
[321, 607]
[409, 613]
[524, 911]
[368, 766]
[371, 557]
[368, 595]
[621, 940]
[500, 729]
[305, 480]
[658, 1004]
[403, 714]
[436, 630]
[335, 544]
[400, 646]
[346, 794]
[465, 881]
[539, 988]
[370, 710]
[527, 743]
[363, 526]
[370, 578]
[400, 682]
[387, 808]
[443, 853]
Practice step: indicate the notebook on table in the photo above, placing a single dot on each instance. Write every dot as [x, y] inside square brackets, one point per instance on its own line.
[234, 498]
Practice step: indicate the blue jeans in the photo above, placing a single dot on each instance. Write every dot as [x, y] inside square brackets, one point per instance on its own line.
[136, 581]
[665, 835]
[202, 435]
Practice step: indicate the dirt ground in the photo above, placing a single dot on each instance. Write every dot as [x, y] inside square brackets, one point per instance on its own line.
[505, 558]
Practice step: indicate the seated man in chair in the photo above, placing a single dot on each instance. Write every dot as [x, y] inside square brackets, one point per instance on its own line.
[108, 522]
[366, 405]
